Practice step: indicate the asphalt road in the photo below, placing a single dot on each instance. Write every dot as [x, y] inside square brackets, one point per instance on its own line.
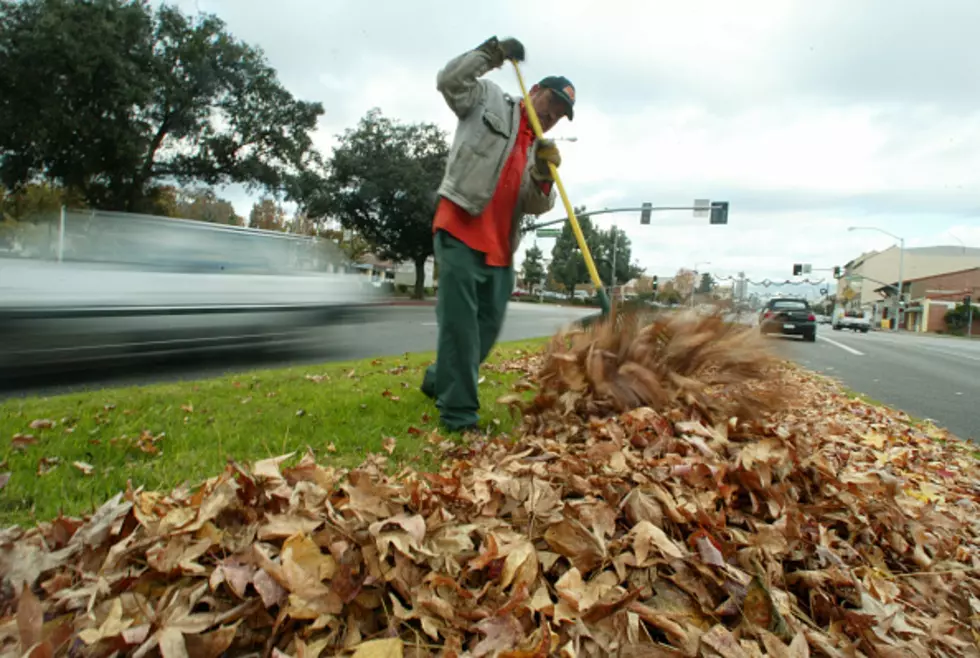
[388, 330]
[927, 376]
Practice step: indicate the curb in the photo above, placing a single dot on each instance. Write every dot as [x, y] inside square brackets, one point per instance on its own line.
[406, 302]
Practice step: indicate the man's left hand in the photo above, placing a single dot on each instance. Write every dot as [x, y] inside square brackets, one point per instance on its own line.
[545, 153]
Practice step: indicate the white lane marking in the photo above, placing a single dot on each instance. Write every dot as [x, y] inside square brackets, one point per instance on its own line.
[844, 347]
[430, 324]
[955, 355]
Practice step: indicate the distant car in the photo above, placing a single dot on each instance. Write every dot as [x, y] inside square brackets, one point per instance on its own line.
[853, 320]
[789, 317]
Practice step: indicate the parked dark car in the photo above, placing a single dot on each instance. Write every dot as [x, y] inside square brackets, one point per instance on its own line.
[790, 317]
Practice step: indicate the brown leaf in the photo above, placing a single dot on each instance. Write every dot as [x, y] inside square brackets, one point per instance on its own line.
[639, 506]
[269, 590]
[520, 566]
[270, 468]
[83, 467]
[709, 552]
[22, 441]
[212, 644]
[648, 538]
[757, 606]
[30, 619]
[502, 633]
[42, 424]
[280, 526]
[388, 444]
[720, 640]
[46, 464]
[571, 539]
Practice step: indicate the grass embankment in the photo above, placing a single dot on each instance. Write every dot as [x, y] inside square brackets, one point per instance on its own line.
[70, 453]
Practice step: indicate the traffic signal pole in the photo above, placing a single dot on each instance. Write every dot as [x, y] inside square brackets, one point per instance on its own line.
[606, 211]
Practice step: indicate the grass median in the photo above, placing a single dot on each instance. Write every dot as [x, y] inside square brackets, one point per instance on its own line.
[69, 453]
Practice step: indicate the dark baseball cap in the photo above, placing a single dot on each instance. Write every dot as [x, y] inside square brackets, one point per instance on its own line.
[563, 89]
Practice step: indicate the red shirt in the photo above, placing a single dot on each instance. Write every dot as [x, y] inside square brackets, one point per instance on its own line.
[489, 233]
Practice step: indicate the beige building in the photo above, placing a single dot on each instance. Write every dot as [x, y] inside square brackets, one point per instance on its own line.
[862, 278]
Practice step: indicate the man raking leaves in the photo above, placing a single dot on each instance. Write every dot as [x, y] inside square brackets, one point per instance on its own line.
[497, 172]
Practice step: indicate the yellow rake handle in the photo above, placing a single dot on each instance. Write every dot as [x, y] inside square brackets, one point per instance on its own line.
[576, 228]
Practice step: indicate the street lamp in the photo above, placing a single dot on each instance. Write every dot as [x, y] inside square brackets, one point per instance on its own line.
[901, 265]
[695, 280]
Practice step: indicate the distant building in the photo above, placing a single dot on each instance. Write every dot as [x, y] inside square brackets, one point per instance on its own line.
[931, 297]
[400, 274]
[864, 279]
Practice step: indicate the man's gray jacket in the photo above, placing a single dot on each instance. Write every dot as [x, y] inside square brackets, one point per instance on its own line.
[485, 135]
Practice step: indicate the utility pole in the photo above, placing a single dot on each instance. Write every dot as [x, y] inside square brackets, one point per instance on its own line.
[697, 278]
[969, 316]
[899, 314]
[613, 277]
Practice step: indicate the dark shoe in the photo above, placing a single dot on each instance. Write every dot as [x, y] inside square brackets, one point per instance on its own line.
[464, 430]
[428, 386]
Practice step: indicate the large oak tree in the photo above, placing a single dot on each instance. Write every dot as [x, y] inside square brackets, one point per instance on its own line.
[114, 98]
[382, 184]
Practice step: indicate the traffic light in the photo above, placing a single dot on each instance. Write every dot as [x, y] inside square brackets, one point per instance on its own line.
[645, 211]
[797, 269]
[719, 212]
[837, 272]
[655, 284]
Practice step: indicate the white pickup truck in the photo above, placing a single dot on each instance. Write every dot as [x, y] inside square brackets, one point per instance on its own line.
[853, 320]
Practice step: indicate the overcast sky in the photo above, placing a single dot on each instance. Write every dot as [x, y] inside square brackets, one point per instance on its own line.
[808, 117]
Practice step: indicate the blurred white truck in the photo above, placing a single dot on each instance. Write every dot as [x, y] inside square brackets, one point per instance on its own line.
[853, 320]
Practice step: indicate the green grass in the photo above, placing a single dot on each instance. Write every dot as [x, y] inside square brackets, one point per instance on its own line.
[164, 435]
[916, 421]
[863, 398]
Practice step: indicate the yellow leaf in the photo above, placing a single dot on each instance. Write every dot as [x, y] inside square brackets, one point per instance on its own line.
[647, 536]
[390, 648]
[111, 627]
[875, 440]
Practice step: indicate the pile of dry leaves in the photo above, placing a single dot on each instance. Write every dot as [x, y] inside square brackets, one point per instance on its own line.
[634, 515]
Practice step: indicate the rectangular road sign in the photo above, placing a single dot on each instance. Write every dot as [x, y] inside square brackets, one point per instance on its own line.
[548, 232]
[702, 207]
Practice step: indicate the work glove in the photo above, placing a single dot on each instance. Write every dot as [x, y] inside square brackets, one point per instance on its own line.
[545, 153]
[502, 50]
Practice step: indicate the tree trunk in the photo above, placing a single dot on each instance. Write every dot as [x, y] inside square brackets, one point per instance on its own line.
[139, 183]
[419, 292]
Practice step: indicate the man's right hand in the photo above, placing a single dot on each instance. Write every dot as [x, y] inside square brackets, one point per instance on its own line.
[502, 50]
[512, 49]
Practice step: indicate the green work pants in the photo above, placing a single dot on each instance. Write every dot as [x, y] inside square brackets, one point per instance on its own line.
[470, 308]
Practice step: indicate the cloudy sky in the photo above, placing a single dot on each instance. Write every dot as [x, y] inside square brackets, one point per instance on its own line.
[808, 117]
